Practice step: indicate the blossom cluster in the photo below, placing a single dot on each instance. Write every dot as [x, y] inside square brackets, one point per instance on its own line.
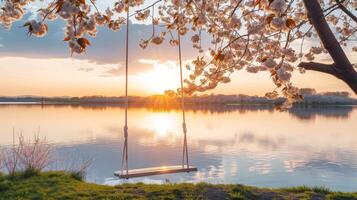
[251, 35]
[82, 19]
[12, 11]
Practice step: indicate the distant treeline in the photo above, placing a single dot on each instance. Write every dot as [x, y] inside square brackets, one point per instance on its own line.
[310, 97]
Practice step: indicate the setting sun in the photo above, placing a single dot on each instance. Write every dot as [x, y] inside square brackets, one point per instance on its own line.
[164, 76]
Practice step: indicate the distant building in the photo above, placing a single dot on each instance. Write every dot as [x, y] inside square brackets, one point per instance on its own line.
[338, 94]
[308, 91]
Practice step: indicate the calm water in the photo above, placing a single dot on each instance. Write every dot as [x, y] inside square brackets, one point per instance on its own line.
[252, 145]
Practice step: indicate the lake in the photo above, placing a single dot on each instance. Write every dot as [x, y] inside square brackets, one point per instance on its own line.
[253, 145]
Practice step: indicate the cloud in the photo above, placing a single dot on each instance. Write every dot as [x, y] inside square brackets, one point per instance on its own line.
[86, 69]
[107, 48]
[150, 62]
[113, 71]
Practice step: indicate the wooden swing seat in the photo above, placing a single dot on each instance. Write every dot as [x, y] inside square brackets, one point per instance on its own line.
[126, 174]
[154, 171]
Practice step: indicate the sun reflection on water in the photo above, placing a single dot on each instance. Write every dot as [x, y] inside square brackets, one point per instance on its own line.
[162, 125]
[250, 146]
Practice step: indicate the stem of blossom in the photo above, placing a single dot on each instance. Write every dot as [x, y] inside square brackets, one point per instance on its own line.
[156, 2]
[153, 25]
[235, 8]
[345, 10]
[94, 6]
[74, 25]
[49, 12]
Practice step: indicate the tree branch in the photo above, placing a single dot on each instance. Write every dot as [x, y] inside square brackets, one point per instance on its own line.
[319, 67]
[325, 34]
[147, 7]
[346, 11]
[342, 67]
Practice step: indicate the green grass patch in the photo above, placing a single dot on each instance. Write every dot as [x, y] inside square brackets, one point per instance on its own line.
[65, 186]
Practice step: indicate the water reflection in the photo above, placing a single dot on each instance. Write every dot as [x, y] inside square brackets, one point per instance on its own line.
[229, 144]
[300, 111]
[312, 112]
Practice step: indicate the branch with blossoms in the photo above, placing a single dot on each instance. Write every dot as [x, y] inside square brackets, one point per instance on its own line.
[251, 35]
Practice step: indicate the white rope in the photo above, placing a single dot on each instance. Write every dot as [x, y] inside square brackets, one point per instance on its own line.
[126, 68]
[125, 151]
[184, 127]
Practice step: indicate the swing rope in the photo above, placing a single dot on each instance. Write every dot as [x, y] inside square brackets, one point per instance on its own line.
[125, 151]
[184, 127]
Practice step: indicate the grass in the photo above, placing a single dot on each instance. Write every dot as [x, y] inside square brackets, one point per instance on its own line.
[65, 186]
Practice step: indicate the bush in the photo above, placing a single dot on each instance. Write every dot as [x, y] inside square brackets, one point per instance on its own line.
[30, 173]
[29, 156]
[10, 160]
[78, 175]
[341, 196]
[4, 185]
[240, 192]
[77, 167]
[237, 196]
[34, 155]
[321, 190]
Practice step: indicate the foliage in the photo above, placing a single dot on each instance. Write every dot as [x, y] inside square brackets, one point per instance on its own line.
[79, 170]
[30, 156]
[74, 164]
[35, 154]
[320, 190]
[61, 185]
[255, 35]
[9, 158]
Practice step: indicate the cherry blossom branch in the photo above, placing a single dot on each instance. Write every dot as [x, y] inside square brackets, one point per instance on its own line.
[153, 4]
[92, 2]
[342, 64]
[74, 25]
[235, 8]
[346, 11]
[333, 7]
[49, 12]
[348, 37]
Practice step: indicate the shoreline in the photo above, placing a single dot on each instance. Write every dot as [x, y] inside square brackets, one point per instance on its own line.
[173, 104]
[63, 185]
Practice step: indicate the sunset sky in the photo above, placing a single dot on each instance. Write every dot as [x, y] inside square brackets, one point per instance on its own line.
[43, 66]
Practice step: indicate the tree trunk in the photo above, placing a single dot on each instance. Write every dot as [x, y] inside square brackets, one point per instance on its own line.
[342, 67]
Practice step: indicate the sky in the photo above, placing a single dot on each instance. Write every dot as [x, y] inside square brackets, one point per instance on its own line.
[44, 66]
